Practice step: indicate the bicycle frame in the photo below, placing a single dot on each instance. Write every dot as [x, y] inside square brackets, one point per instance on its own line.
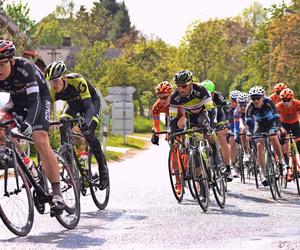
[45, 197]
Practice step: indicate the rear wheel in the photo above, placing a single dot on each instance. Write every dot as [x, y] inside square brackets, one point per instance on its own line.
[219, 186]
[16, 206]
[70, 216]
[100, 197]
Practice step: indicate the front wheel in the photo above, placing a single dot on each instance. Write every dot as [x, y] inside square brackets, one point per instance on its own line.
[176, 174]
[16, 206]
[271, 175]
[199, 179]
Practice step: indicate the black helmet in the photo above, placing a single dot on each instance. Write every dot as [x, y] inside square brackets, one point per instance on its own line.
[183, 77]
[7, 49]
[55, 70]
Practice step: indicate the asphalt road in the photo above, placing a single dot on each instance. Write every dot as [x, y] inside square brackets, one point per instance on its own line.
[143, 214]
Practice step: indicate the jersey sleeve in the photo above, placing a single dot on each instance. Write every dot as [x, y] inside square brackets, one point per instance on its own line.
[33, 94]
[155, 117]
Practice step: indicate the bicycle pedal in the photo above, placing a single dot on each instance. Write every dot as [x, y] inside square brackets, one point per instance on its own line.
[54, 212]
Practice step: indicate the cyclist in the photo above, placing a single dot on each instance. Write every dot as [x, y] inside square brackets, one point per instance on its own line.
[239, 116]
[163, 91]
[267, 120]
[197, 102]
[278, 88]
[81, 98]
[31, 100]
[233, 151]
[289, 111]
[221, 105]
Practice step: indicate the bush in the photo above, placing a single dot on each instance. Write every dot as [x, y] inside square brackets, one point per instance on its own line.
[142, 124]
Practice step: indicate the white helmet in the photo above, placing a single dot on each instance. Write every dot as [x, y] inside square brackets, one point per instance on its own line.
[243, 98]
[257, 90]
[234, 94]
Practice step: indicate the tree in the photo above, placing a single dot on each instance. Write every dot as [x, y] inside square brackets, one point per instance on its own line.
[91, 62]
[255, 14]
[19, 14]
[50, 32]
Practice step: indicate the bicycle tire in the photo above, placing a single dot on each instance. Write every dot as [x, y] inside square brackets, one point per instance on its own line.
[177, 175]
[10, 223]
[100, 197]
[218, 185]
[296, 173]
[70, 216]
[199, 182]
[271, 175]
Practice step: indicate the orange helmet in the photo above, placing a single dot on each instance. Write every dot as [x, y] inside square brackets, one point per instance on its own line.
[286, 94]
[164, 88]
[279, 87]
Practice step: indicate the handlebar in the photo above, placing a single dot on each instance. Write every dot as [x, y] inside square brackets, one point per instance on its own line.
[65, 121]
[190, 131]
[263, 135]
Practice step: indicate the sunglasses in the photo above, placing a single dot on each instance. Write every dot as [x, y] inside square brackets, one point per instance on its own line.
[163, 97]
[255, 98]
[286, 100]
[182, 86]
[243, 104]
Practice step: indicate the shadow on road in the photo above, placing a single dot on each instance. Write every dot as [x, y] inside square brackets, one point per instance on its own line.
[112, 215]
[249, 198]
[64, 239]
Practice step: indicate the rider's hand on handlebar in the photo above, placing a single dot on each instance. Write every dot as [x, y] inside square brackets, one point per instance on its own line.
[26, 128]
[155, 139]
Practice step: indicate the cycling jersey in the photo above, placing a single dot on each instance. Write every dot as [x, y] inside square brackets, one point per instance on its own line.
[230, 118]
[221, 105]
[81, 97]
[157, 109]
[29, 93]
[199, 100]
[289, 115]
[266, 117]
[275, 98]
[240, 117]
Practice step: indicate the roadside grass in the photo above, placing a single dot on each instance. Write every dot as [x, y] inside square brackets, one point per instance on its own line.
[118, 141]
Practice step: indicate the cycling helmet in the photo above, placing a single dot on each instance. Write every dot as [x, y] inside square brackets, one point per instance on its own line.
[257, 91]
[183, 77]
[55, 70]
[286, 94]
[243, 98]
[279, 87]
[234, 94]
[7, 49]
[164, 88]
[209, 85]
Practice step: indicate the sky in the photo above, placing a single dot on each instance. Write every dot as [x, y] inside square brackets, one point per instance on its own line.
[166, 19]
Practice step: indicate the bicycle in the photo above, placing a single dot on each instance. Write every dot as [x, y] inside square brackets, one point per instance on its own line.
[17, 184]
[86, 175]
[203, 171]
[294, 162]
[178, 173]
[271, 165]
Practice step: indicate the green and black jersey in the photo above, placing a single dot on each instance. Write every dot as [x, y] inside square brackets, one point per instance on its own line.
[81, 97]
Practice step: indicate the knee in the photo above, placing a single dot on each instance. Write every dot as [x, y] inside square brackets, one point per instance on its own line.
[41, 139]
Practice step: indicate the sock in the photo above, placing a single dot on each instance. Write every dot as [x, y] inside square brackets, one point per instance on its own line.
[286, 158]
[228, 168]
